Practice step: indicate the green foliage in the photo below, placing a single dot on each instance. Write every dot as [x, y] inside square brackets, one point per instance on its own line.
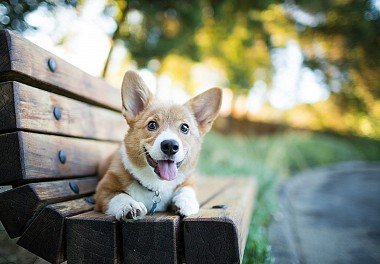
[283, 154]
[272, 159]
[345, 47]
[166, 27]
[339, 39]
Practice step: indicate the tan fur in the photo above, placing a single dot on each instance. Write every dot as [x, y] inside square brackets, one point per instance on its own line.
[104, 165]
[117, 179]
[114, 182]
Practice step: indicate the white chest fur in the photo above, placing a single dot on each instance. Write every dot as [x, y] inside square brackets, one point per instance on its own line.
[138, 198]
[147, 178]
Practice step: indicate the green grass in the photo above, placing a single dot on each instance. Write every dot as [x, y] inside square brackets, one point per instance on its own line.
[272, 159]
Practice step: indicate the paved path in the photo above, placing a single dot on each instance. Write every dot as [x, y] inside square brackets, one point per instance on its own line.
[329, 215]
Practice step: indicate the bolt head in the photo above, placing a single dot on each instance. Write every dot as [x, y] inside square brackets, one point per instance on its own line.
[89, 200]
[219, 206]
[74, 187]
[57, 112]
[52, 65]
[62, 156]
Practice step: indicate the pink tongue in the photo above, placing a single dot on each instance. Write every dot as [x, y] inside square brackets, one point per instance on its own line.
[167, 170]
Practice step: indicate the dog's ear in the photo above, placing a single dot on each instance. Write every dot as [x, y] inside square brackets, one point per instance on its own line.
[135, 95]
[205, 108]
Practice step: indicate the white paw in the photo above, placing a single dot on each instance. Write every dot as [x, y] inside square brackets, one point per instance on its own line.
[123, 207]
[185, 201]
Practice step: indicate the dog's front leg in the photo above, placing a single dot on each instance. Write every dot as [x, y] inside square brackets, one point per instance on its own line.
[123, 207]
[185, 201]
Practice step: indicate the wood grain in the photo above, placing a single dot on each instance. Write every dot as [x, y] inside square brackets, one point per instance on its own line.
[93, 237]
[154, 239]
[11, 165]
[38, 157]
[7, 108]
[23, 107]
[151, 240]
[19, 205]
[218, 233]
[46, 235]
[27, 63]
[209, 187]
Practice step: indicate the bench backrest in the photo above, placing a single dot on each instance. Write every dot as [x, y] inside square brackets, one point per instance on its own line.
[55, 120]
[56, 124]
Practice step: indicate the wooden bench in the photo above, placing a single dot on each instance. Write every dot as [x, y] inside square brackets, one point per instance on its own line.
[57, 124]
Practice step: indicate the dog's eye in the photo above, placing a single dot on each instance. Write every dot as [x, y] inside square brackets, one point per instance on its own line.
[184, 128]
[152, 125]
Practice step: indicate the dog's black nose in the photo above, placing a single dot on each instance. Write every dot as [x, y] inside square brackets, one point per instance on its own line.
[169, 147]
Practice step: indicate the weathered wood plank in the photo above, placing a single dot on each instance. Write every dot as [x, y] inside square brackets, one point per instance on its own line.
[25, 62]
[19, 205]
[93, 237]
[46, 235]
[218, 233]
[209, 187]
[151, 240]
[154, 239]
[7, 108]
[239, 206]
[39, 157]
[11, 166]
[23, 107]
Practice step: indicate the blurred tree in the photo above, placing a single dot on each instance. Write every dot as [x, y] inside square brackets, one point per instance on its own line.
[240, 36]
[154, 29]
[13, 13]
[338, 38]
[344, 46]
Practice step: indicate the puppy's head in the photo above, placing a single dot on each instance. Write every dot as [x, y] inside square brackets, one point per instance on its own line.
[164, 139]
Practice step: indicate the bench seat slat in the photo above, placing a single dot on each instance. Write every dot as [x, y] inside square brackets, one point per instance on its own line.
[218, 233]
[23, 107]
[154, 239]
[27, 63]
[93, 237]
[46, 235]
[157, 239]
[151, 240]
[208, 188]
[35, 157]
[19, 205]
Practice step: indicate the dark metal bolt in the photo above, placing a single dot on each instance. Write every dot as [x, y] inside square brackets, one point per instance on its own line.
[219, 206]
[57, 112]
[74, 187]
[62, 156]
[89, 200]
[52, 65]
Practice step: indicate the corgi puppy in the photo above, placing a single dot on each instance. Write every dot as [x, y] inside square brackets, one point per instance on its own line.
[154, 167]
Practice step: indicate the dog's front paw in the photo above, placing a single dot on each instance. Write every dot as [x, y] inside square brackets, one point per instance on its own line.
[185, 202]
[123, 207]
[185, 206]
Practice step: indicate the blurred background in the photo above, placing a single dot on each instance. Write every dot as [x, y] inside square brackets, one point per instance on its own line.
[301, 78]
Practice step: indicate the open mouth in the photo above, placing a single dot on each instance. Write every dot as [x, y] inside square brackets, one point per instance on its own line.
[165, 169]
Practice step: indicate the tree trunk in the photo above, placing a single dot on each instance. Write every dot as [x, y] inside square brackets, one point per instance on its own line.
[115, 36]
